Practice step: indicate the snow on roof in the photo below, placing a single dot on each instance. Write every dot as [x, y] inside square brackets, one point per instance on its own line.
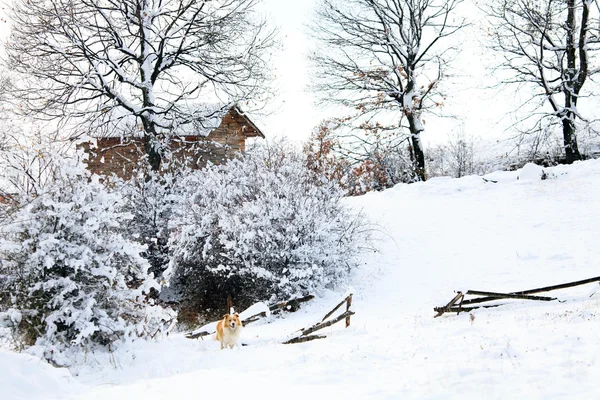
[200, 119]
[208, 116]
[203, 118]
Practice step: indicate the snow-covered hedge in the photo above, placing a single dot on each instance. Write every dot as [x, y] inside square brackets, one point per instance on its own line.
[65, 265]
[261, 227]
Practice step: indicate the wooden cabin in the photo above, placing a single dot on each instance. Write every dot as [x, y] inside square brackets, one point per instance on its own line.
[215, 139]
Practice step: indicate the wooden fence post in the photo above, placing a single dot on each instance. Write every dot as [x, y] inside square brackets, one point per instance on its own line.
[348, 304]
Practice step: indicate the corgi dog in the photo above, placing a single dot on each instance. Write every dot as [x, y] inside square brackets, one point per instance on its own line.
[229, 330]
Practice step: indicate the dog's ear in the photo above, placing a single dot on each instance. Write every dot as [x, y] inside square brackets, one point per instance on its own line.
[237, 315]
[226, 316]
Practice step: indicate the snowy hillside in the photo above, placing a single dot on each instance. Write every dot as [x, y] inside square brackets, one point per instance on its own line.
[436, 237]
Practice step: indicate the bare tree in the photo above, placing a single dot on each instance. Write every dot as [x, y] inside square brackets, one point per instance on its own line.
[456, 157]
[144, 62]
[385, 56]
[548, 45]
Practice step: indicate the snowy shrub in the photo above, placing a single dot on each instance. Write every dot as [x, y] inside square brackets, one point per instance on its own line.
[27, 158]
[380, 171]
[150, 203]
[460, 156]
[262, 227]
[357, 171]
[67, 268]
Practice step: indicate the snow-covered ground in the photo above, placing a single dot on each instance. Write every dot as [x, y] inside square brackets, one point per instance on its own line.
[436, 237]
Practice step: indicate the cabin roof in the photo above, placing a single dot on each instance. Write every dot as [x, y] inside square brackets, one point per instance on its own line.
[204, 118]
[254, 131]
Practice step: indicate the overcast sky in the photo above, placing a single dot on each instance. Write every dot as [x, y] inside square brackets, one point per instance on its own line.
[296, 114]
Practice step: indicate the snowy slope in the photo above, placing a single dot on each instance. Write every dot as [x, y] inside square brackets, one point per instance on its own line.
[436, 237]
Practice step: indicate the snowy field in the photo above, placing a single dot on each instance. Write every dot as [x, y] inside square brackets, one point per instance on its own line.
[436, 237]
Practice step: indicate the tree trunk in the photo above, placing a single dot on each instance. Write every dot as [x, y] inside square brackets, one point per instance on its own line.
[570, 141]
[154, 157]
[417, 148]
[151, 145]
[570, 89]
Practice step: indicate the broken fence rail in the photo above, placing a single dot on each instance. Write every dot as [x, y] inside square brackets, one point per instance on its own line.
[452, 305]
[305, 334]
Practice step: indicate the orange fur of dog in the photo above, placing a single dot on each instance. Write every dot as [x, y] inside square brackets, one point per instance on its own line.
[228, 330]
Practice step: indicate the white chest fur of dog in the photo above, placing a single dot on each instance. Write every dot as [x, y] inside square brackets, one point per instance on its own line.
[229, 330]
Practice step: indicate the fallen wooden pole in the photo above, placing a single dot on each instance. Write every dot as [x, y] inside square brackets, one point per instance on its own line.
[533, 291]
[292, 305]
[254, 318]
[561, 286]
[495, 295]
[322, 325]
[198, 334]
[442, 310]
[330, 313]
[457, 309]
[302, 339]
[491, 296]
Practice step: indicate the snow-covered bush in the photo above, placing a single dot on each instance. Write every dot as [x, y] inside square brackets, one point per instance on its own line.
[262, 227]
[150, 203]
[65, 266]
[460, 156]
[360, 170]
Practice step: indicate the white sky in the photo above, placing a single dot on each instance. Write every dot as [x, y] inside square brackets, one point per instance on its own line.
[295, 113]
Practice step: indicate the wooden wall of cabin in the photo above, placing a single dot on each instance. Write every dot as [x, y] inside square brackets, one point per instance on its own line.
[121, 156]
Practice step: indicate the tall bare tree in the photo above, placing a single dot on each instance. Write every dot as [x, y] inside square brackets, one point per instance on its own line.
[549, 45]
[382, 56]
[142, 61]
